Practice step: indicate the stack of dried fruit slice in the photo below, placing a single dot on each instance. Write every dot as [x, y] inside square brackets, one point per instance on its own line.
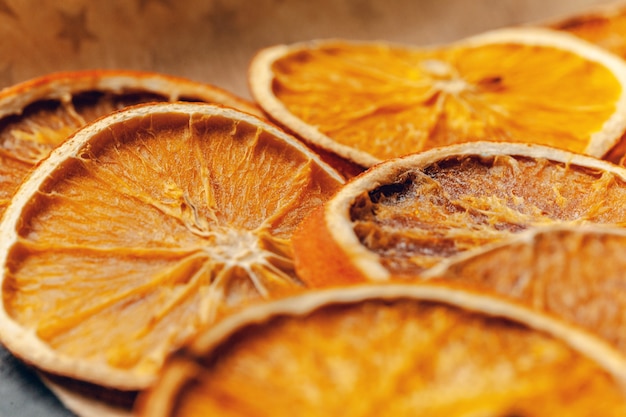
[141, 228]
[370, 102]
[400, 350]
[154, 222]
[405, 215]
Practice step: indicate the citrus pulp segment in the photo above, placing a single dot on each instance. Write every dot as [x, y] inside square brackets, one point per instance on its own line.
[382, 100]
[405, 215]
[38, 114]
[142, 227]
[573, 273]
[400, 350]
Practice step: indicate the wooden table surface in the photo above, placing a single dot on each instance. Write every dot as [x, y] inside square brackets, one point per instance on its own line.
[214, 40]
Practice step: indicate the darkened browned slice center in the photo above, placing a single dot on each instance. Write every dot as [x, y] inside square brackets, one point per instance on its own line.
[463, 202]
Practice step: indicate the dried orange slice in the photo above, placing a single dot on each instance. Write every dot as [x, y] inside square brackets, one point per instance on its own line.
[141, 227]
[37, 115]
[400, 350]
[369, 102]
[573, 273]
[405, 215]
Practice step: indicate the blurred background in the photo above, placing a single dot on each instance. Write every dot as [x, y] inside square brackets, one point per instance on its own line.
[214, 40]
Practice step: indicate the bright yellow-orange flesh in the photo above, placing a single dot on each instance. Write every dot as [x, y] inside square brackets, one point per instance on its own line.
[461, 203]
[576, 275]
[389, 101]
[160, 222]
[398, 358]
[29, 137]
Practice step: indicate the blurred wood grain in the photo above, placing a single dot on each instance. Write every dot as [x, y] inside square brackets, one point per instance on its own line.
[214, 40]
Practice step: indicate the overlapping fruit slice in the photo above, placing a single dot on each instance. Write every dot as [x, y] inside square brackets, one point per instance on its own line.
[37, 115]
[573, 273]
[605, 27]
[369, 102]
[398, 350]
[141, 228]
[405, 215]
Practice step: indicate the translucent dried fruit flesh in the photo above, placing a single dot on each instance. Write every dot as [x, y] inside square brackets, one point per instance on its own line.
[389, 358]
[155, 225]
[577, 275]
[389, 101]
[459, 203]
